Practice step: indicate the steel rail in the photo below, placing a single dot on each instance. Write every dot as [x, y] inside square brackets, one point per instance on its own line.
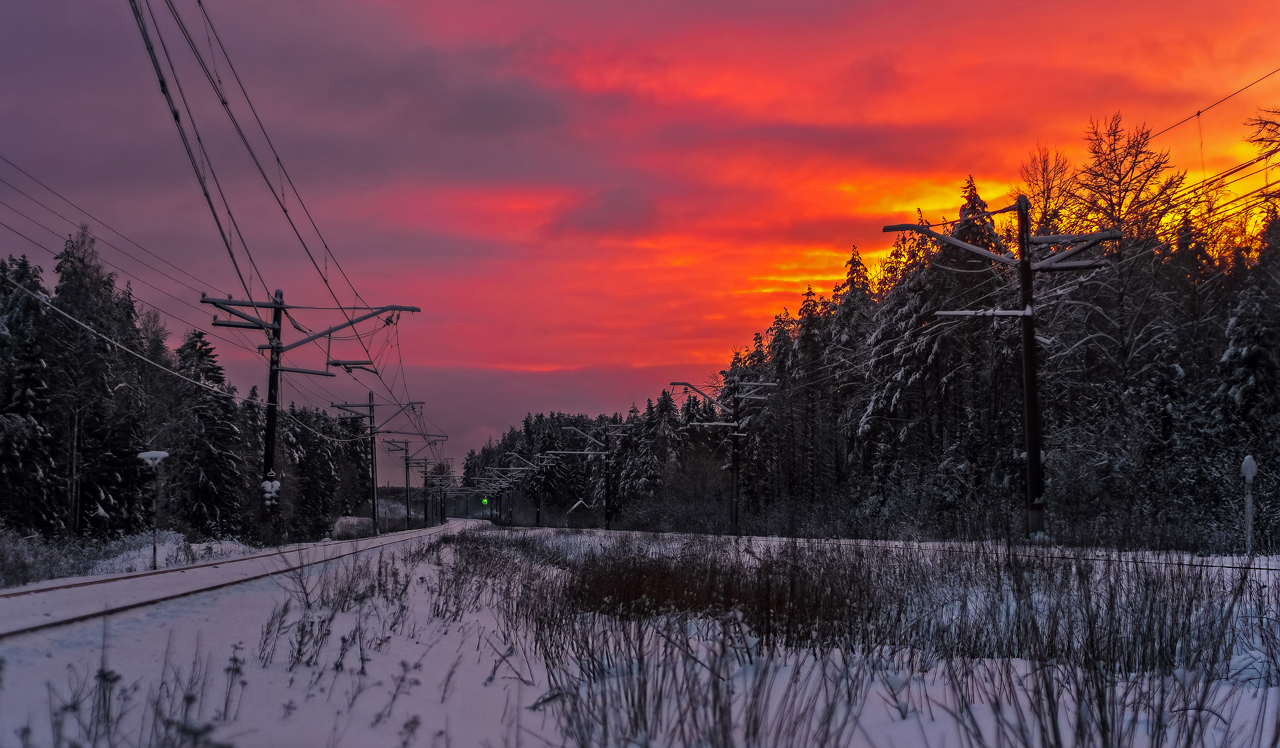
[401, 537]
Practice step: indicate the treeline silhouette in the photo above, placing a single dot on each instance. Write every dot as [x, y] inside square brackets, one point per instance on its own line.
[1158, 374]
[78, 402]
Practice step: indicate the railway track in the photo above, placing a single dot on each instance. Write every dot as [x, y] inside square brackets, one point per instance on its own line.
[27, 610]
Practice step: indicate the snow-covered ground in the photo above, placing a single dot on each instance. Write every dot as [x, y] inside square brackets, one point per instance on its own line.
[172, 550]
[494, 638]
[385, 671]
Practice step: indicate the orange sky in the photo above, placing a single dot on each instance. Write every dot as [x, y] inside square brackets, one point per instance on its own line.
[735, 151]
[575, 185]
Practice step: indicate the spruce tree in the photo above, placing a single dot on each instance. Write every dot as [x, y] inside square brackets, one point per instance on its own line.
[29, 480]
[206, 462]
[96, 391]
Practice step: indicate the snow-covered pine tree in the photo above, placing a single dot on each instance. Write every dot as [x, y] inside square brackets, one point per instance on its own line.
[310, 496]
[206, 462]
[29, 481]
[846, 354]
[95, 390]
[1248, 394]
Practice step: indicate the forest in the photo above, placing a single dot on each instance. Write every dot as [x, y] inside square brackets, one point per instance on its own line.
[1158, 373]
[87, 381]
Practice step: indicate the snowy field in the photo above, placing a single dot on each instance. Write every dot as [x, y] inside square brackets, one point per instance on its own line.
[25, 560]
[481, 636]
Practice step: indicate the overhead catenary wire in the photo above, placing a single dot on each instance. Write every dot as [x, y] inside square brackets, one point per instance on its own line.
[215, 84]
[97, 220]
[122, 347]
[1231, 95]
[239, 342]
[208, 163]
[182, 134]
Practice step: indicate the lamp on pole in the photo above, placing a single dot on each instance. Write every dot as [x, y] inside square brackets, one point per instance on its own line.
[153, 460]
[1248, 469]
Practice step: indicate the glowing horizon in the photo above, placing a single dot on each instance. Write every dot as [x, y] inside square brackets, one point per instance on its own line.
[577, 187]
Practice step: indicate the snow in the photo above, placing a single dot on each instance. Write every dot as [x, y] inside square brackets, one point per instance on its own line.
[172, 550]
[448, 677]
[412, 669]
[24, 607]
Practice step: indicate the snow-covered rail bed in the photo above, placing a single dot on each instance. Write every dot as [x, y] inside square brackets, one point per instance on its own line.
[565, 638]
[59, 602]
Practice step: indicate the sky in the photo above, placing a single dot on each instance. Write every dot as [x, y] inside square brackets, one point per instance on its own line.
[586, 199]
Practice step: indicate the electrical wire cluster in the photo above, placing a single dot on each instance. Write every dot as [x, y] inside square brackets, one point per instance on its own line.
[36, 213]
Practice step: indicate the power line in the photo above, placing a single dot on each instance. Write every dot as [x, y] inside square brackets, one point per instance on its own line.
[1214, 104]
[279, 198]
[197, 167]
[99, 221]
[140, 280]
[241, 343]
[233, 343]
[121, 346]
[182, 133]
[216, 85]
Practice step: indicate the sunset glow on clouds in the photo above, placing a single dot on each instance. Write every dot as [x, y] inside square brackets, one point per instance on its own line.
[595, 187]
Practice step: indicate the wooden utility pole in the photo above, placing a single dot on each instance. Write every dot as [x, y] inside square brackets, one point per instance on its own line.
[373, 467]
[366, 410]
[273, 406]
[606, 453]
[1248, 469]
[608, 481]
[1034, 522]
[734, 412]
[737, 424]
[276, 348]
[1030, 390]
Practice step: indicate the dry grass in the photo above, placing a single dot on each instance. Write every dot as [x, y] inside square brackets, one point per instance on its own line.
[704, 641]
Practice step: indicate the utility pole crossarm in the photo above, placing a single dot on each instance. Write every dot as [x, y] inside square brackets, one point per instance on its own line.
[1104, 235]
[705, 396]
[312, 372]
[987, 313]
[1005, 259]
[349, 323]
[249, 321]
[1087, 241]
[1081, 265]
[398, 412]
[589, 437]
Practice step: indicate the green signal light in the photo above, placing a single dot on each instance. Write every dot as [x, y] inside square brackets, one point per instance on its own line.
[484, 501]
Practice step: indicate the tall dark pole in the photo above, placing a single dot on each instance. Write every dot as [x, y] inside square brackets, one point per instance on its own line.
[273, 404]
[733, 506]
[373, 465]
[406, 491]
[1030, 396]
[608, 480]
[155, 512]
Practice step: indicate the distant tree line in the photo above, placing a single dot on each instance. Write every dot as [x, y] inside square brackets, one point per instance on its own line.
[76, 409]
[1159, 372]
